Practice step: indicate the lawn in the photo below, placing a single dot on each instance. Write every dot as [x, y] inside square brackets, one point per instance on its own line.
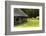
[31, 22]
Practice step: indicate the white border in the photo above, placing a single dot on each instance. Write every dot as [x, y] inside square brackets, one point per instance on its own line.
[26, 29]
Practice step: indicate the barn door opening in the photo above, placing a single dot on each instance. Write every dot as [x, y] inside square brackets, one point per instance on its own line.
[17, 19]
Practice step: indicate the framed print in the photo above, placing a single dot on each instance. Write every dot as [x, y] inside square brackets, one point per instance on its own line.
[24, 17]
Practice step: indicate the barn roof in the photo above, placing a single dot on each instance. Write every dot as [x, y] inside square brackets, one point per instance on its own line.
[19, 12]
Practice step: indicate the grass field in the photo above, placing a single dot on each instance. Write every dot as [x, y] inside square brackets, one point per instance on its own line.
[30, 23]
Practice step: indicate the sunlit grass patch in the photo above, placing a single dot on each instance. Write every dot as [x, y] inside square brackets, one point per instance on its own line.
[31, 22]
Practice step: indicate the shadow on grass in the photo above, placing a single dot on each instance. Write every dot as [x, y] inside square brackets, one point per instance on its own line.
[17, 24]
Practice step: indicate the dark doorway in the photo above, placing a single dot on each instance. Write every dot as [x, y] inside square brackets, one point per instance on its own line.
[17, 19]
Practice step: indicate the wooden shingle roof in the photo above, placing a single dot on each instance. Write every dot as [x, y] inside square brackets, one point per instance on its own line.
[19, 12]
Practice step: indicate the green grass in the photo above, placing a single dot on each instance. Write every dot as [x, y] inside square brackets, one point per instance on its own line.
[31, 22]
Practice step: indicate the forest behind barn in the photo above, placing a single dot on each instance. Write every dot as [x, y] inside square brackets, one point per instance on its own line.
[31, 12]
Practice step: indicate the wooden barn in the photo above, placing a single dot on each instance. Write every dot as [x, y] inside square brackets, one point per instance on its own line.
[19, 16]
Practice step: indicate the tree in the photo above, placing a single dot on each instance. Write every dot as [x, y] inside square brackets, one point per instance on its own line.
[31, 12]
